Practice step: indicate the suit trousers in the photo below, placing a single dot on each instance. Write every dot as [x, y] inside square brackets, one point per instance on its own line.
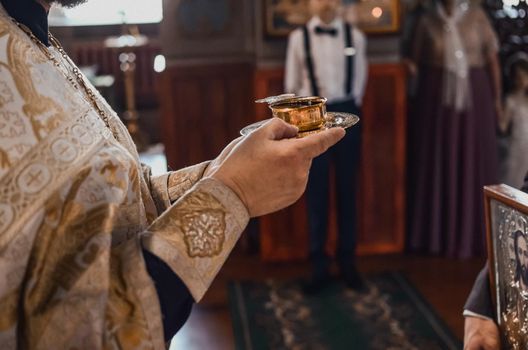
[345, 158]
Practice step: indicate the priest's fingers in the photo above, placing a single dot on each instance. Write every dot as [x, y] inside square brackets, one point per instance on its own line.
[278, 129]
[316, 144]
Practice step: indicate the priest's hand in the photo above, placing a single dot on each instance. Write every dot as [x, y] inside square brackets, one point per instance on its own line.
[480, 334]
[269, 168]
[216, 163]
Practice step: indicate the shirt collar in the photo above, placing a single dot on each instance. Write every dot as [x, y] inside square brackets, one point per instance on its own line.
[31, 14]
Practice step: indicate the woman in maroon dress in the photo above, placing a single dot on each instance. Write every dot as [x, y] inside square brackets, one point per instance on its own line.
[452, 134]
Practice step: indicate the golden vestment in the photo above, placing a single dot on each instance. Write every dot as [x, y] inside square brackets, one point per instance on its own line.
[77, 208]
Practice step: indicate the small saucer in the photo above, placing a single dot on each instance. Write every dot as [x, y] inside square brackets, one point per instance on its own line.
[333, 120]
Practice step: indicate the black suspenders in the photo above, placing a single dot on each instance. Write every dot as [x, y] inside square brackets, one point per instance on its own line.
[349, 60]
[310, 64]
[309, 61]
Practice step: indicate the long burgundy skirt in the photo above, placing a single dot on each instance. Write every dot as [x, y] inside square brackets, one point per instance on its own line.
[451, 157]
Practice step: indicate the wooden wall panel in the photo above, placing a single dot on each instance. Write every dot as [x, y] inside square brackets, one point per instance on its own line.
[203, 109]
[382, 186]
[384, 161]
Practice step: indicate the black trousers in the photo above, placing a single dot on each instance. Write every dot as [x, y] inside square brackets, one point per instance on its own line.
[345, 157]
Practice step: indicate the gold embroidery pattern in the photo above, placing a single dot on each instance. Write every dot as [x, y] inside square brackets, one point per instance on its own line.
[181, 181]
[44, 113]
[11, 124]
[158, 189]
[203, 225]
[4, 161]
[204, 233]
[17, 151]
[9, 306]
[125, 320]
[24, 187]
[6, 95]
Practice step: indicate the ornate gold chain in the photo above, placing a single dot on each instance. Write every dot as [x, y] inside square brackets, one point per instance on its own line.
[77, 79]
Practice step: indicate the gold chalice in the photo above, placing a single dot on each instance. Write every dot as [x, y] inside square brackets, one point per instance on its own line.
[307, 113]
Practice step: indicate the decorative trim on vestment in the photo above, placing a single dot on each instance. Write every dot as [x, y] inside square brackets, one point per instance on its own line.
[26, 186]
[197, 234]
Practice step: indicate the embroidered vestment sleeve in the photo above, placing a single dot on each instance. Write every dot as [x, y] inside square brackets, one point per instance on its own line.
[167, 188]
[196, 234]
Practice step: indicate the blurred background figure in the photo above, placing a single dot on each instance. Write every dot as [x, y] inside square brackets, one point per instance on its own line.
[327, 57]
[413, 14]
[452, 138]
[515, 121]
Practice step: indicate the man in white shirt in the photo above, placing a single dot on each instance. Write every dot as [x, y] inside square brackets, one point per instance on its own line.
[327, 57]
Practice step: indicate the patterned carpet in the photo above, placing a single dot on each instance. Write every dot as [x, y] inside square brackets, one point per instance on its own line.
[390, 314]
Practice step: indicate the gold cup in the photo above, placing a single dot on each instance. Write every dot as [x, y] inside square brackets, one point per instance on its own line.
[306, 113]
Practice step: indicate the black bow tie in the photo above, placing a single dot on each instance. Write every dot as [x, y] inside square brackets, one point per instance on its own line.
[327, 31]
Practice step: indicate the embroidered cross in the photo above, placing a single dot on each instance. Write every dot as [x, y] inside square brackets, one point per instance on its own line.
[34, 177]
[64, 149]
[83, 133]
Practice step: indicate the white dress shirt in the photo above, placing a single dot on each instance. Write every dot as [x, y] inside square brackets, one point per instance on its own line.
[329, 59]
[468, 313]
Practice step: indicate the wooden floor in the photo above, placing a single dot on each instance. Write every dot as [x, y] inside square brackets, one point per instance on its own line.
[445, 283]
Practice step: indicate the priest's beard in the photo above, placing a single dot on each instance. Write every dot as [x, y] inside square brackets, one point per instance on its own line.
[66, 3]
